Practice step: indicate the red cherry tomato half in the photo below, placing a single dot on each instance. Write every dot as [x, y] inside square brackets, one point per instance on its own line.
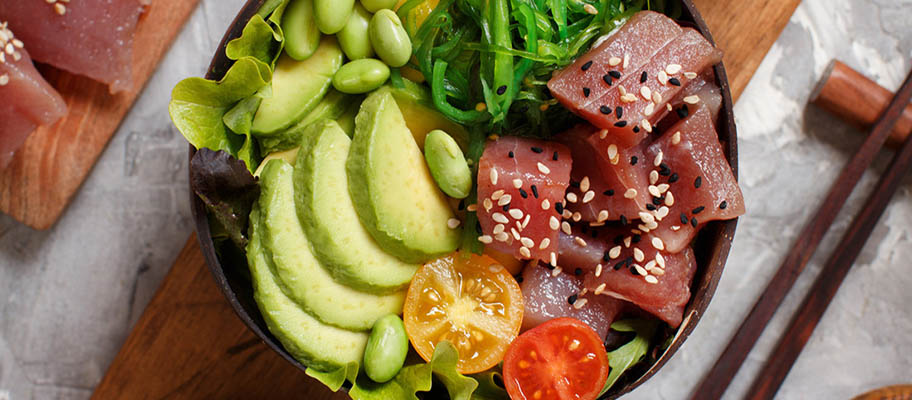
[562, 359]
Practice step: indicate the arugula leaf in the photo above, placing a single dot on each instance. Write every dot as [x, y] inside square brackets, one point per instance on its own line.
[626, 356]
[227, 188]
[418, 378]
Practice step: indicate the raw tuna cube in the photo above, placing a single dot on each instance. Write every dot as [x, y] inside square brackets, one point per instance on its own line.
[520, 182]
[609, 179]
[633, 45]
[702, 90]
[694, 173]
[629, 266]
[26, 99]
[547, 296]
[86, 37]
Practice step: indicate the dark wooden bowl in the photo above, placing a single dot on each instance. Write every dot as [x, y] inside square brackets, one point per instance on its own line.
[711, 248]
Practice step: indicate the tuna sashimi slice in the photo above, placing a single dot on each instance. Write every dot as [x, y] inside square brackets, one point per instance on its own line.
[701, 91]
[520, 182]
[630, 47]
[26, 99]
[695, 174]
[93, 38]
[629, 266]
[644, 101]
[547, 296]
[608, 178]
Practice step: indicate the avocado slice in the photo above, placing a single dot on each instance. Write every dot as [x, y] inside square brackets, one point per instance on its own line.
[297, 87]
[299, 273]
[332, 106]
[421, 117]
[325, 208]
[289, 156]
[310, 341]
[391, 187]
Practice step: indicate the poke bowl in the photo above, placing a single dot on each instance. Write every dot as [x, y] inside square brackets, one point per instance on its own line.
[709, 247]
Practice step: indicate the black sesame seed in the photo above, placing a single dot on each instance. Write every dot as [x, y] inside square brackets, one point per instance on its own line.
[698, 182]
[559, 207]
[615, 74]
[519, 279]
[502, 89]
[619, 265]
[523, 193]
[619, 112]
[578, 271]
[664, 170]
[683, 112]
[698, 210]
[694, 222]
[723, 205]
[623, 219]
[674, 178]
[674, 81]
[586, 65]
[572, 299]
[506, 207]
[634, 160]
[606, 256]
[684, 219]
[636, 129]
[551, 267]
[478, 228]
[510, 154]
[650, 207]
[586, 91]
[554, 157]
[608, 192]
[605, 110]
[607, 79]
[633, 270]
[643, 77]
[575, 184]
[657, 201]
[535, 191]
[537, 150]
[620, 124]
[636, 239]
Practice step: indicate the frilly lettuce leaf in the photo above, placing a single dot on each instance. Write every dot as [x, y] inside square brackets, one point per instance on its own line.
[257, 41]
[225, 185]
[626, 356]
[488, 388]
[335, 379]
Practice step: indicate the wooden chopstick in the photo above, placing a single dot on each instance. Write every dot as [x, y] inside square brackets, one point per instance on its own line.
[834, 272]
[720, 375]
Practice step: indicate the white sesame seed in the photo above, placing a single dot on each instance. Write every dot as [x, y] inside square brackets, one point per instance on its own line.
[600, 288]
[640, 270]
[504, 200]
[579, 241]
[659, 158]
[9, 48]
[553, 259]
[643, 228]
[515, 233]
[675, 228]
[653, 177]
[615, 252]
[517, 183]
[498, 228]
[663, 188]
[543, 168]
[662, 77]
[627, 241]
[646, 92]
[524, 251]
[502, 237]
[4, 79]
[472, 207]
[662, 213]
[636, 232]
[629, 98]
[692, 99]
[660, 260]
[652, 225]
[488, 204]
[638, 255]
[612, 151]
[545, 204]
[668, 106]
[649, 110]
[654, 191]
[603, 216]
[614, 61]
[580, 303]
[2, 57]
[690, 75]
[616, 159]
[516, 213]
[650, 265]
[453, 223]
[598, 270]
[565, 227]
[544, 244]
[603, 133]
[590, 9]
[486, 239]
[588, 196]
[656, 97]
[527, 242]
[497, 194]
[526, 220]
[626, 60]
[60, 9]
[669, 199]
[554, 223]
[571, 197]
[566, 214]
[17, 56]
[3, 35]
[584, 184]
[622, 90]
[630, 193]
[651, 279]
[672, 69]
[658, 243]
[576, 217]
[18, 43]
[676, 138]
[556, 271]
[498, 217]
[493, 176]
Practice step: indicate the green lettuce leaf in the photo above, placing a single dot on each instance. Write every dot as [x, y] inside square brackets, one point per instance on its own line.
[334, 379]
[257, 41]
[488, 388]
[418, 378]
[626, 356]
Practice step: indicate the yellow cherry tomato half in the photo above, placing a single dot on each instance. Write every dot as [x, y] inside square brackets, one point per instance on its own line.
[469, 300]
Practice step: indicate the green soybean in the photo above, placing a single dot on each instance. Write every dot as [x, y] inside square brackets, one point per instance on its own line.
[447, 164]
[377, 5]
[386, 349]
[301, 34]
[360, 76]
[332, 15]
[353, 38]
[389, 39]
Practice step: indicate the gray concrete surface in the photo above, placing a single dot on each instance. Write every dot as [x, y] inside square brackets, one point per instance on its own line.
[69, 296]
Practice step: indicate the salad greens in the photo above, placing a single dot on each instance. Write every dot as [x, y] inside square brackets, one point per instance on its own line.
[226, 188]
[628, 355]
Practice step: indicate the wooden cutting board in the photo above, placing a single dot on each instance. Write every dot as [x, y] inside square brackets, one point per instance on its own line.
[188, 344]
[45, 173]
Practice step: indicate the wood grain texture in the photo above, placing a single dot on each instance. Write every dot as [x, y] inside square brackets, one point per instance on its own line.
[131, 373]
[745, 31]
[52, 164]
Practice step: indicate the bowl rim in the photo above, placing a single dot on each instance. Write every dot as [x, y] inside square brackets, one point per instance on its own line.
[714, 240]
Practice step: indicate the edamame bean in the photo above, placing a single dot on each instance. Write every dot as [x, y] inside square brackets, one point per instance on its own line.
[301, 34]
[389, 39]
[353, 38]
[360, 76]
[447, 164]
[377, 5]
[332, 15]
[386, 349]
